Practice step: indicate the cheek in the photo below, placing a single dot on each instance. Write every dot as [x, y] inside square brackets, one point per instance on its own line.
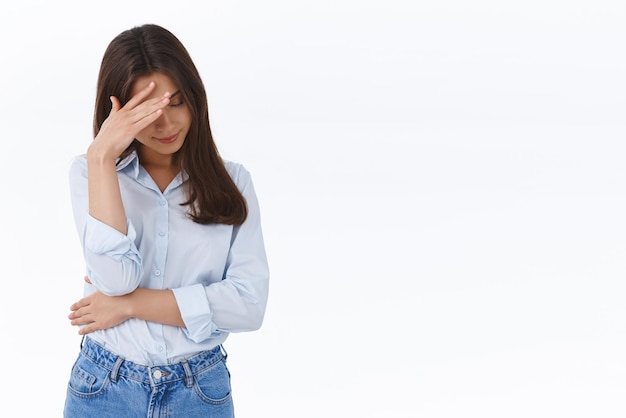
[186, 117]
[144, 134]
[185, 124]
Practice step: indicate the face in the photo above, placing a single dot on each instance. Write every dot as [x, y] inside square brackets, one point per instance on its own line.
[165, 136]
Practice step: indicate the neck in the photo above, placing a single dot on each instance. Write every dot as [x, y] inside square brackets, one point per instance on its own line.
[149, 158]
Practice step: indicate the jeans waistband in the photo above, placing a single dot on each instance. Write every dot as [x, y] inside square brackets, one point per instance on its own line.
[154, 375]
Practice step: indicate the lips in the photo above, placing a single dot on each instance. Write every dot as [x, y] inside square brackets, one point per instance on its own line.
[168, 139]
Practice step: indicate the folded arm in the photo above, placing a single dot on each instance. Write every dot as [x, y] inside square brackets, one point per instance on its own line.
[235, 304]
[99, 311]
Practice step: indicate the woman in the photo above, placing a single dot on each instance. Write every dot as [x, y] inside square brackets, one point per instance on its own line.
[172, 242]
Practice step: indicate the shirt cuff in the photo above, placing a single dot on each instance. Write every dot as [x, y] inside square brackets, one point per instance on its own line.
[195, 311]
[101, 238]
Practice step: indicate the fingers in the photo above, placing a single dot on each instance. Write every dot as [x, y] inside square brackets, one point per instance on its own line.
[80, 319]
[143, 93]
[146, 112]
[88, 329]
[149, 112]
[139, 103]
[115, 103]
[150, 109]
[80, 304]
[140, 97]
[138, 112]
[77, 311]
[87, 324]
[81, 315]
[85, 321]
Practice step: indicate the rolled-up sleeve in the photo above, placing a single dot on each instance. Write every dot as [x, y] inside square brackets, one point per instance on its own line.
[237, 303]
[113, 262]
[196, 312]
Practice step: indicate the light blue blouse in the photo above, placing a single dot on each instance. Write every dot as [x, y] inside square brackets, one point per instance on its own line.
[219, 273]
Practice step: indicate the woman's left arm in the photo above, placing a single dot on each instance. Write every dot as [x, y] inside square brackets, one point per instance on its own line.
[99, 311]
[236, 303]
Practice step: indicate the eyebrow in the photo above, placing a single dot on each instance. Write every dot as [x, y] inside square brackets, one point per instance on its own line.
[177, 92]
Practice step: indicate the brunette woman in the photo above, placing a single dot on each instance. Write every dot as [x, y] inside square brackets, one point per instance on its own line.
[172, 242]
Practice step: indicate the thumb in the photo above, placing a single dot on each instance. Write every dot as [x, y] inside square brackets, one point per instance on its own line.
[116, 104]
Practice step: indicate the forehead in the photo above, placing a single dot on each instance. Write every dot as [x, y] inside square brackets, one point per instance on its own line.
[162, 82]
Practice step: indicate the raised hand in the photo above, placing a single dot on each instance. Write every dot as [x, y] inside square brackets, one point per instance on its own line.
[116, 134]
[124, 123]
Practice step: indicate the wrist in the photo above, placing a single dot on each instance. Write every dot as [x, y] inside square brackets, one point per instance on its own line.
[97, 155]
[129, 306]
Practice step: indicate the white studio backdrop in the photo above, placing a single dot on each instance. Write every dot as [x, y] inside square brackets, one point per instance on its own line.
[442, 189]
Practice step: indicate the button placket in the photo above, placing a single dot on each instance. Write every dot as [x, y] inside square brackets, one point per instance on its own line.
[161, 245]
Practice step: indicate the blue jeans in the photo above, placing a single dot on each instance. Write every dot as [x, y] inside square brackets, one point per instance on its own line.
[103, 384]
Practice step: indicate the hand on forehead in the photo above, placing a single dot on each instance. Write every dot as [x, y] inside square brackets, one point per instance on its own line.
[163, 84]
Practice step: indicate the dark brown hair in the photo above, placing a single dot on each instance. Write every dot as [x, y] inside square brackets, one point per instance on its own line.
[212, 195]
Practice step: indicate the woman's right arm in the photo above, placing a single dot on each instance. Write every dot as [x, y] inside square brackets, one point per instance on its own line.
[115, 135]
[112, 259]
[113, 262]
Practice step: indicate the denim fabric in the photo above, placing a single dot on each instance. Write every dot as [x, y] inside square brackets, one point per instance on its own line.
[103, 385]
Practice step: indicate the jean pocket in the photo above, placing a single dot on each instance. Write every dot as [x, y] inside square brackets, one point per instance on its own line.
[87, 378]
[213, 384]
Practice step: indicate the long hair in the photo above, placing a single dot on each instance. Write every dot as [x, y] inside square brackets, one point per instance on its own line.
[212, 195]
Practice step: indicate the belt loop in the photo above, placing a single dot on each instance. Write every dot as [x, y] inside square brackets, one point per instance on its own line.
[188, 374]
[224, 353]
[116, 368]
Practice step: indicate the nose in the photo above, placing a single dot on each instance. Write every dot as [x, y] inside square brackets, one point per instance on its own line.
[163, 121]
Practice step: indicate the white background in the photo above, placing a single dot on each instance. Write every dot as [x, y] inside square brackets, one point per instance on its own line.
[442, 187]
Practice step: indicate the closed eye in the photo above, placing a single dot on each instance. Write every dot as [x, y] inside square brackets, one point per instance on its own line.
[174, 100]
